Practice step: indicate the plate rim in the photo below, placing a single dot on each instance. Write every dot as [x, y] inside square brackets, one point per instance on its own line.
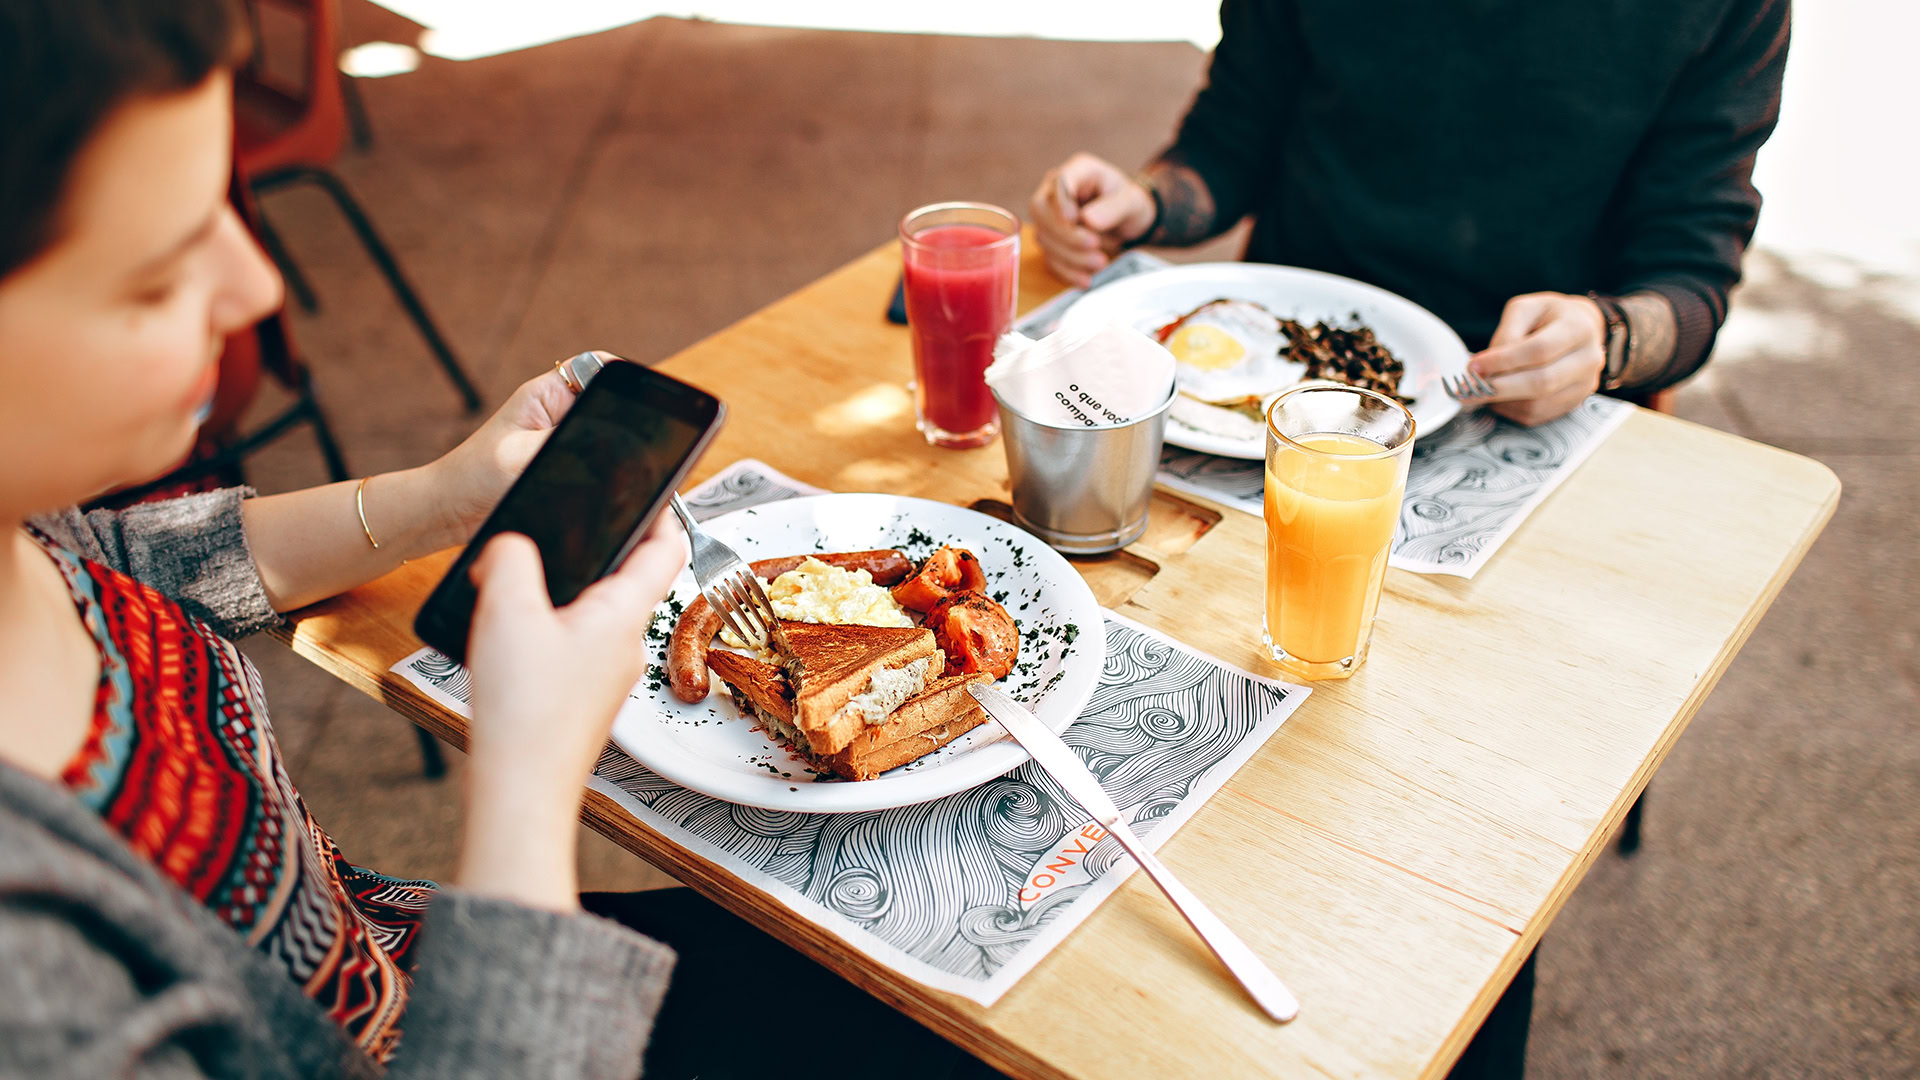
[1192, 438]
[988, 761]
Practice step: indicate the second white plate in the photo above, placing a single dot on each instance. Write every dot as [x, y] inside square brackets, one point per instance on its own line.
[1428, 347]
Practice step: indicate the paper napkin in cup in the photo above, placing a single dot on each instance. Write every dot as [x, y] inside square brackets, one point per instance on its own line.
[1111, 376]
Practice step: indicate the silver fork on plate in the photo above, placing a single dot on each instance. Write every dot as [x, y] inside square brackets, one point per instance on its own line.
[730, 586]
[1466, 387]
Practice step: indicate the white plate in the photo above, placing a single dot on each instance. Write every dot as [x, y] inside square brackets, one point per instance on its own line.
[709, 748]
[1428, 347]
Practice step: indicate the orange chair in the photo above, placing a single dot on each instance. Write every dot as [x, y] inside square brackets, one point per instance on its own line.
[289, 132]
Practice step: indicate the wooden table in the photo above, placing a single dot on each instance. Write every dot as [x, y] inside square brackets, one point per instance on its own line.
[1403, 842]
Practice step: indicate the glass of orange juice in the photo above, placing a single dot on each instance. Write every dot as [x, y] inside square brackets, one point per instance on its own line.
[1336, 469]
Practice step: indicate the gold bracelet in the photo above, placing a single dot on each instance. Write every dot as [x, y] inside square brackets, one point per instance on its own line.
[360, 504]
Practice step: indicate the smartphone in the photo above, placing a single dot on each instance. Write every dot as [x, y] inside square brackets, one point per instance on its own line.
[590, 493]
[897, 307]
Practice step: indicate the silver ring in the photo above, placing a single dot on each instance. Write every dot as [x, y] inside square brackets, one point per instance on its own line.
[578, 370]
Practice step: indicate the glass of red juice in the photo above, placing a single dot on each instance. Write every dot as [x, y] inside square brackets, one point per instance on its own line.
[961, 263]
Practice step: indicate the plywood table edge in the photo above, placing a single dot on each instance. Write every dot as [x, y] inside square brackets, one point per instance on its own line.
[1600, 840]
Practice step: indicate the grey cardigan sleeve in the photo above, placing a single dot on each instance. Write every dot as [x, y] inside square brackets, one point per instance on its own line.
[106, 969]
[194, 549]
[500, 992]
[504, 990]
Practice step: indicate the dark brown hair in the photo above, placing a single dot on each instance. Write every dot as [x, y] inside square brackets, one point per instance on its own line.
[65, 66]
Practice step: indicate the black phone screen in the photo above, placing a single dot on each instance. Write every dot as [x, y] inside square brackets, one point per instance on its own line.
[599, 480]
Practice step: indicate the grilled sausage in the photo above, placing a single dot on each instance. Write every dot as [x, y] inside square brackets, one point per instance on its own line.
[693, 634]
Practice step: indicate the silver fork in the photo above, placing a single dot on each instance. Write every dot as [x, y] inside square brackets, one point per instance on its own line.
[1466, 386]
[730, 586]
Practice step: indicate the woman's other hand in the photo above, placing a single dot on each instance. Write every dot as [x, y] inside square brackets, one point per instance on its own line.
[546, 686]
[1084, 212]
[1545, 356]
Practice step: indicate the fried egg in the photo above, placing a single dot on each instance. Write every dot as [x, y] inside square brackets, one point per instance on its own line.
[1229, 352]
[1235, 424]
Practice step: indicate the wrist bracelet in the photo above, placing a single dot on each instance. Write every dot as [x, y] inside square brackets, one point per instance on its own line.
[360, 504]
[1618, 332]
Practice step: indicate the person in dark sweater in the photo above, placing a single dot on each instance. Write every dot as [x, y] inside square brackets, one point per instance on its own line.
[1569, 186]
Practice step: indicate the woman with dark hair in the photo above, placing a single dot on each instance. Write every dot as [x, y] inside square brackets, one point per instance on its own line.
[167, 905]
[166, 902]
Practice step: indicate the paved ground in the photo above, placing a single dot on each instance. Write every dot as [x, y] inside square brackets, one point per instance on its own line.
[640, 188]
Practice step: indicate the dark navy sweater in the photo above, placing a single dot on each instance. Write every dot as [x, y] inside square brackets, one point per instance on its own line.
[1463, 152]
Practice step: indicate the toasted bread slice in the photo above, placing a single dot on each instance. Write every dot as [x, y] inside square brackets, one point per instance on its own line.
[923, 724]
[846, 678]
[759, 688]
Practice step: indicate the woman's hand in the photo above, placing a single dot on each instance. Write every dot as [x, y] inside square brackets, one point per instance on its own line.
[1084, 212]
[546, 686]
[312, 544]
[1545, 357]
[470, 478]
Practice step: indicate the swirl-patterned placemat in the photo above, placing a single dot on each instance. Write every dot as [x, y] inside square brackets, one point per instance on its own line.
[1470, 484]
[967, 893]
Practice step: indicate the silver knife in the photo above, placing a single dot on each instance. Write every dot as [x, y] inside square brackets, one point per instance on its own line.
[1064, 766]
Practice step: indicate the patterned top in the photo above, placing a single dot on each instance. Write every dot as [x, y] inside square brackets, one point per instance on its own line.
[181, 761]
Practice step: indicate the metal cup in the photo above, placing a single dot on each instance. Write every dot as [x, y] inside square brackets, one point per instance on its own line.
[1084, 490]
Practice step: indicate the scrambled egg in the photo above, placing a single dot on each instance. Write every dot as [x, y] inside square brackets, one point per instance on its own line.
[819, 592]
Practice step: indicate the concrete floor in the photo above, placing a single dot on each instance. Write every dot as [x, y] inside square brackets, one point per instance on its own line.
[640, 188]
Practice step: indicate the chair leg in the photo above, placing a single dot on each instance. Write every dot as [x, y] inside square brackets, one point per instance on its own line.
[402, 291]
[290, 271]
[356, 112]
[433, 764]
[1630, 828]
[323, 432]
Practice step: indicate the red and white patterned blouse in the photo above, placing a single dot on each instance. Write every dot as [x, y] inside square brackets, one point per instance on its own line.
[181, 761]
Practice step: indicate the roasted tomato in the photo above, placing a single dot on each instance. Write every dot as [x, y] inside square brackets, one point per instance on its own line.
[975, 633]
[946, 572]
